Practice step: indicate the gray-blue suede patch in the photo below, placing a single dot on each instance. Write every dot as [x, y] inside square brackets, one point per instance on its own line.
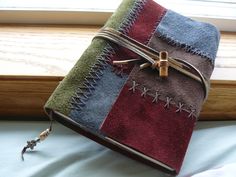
[196, 37]
[101, 100]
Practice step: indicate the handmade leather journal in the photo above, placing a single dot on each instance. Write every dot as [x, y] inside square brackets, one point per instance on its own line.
[139, 87]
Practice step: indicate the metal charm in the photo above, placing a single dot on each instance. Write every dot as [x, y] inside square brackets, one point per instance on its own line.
[32, 143]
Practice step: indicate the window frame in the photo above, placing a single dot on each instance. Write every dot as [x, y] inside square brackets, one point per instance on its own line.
[85, 15]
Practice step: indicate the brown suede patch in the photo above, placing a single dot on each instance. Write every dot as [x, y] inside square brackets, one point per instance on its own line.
[178, 87]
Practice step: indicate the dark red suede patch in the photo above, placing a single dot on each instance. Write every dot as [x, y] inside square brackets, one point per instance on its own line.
[149, 128]
[142, 30]
[137, 122]
[147, 21]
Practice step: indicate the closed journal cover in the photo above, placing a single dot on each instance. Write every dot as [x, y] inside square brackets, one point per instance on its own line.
[140, 85]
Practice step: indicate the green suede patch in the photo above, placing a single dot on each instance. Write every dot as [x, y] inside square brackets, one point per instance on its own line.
[60, 99]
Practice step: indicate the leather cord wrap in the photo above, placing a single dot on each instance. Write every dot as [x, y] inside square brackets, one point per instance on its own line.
[152, 56]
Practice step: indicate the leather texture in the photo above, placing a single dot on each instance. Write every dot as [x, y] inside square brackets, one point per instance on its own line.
[109, 85]
[149, 127]
[154, 129]
[177, 86]
[158, 130]
[161, 128]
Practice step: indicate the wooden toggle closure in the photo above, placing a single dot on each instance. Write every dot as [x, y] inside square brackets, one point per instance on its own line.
[163, 64]
[152, 58]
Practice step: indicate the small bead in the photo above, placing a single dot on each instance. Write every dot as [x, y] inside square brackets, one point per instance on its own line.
[44, 134]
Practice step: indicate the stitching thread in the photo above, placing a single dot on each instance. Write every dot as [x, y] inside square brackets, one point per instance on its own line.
[168, 100]
[103, 60]
[133, 88]
[119, 69]
[144, 93]
[180, 107]
[133, 15]
[156, 98]
[190, 49]
[192, 111]
[156, 25]
[90, 81]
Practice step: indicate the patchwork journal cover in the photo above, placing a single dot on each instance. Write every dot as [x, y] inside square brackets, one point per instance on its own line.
[140, 85]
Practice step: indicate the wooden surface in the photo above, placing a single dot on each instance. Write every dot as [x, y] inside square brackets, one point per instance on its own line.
[42, 51]
[34, 59]
[23, 97]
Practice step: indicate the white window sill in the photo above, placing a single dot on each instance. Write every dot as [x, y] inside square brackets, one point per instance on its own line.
[93, 12]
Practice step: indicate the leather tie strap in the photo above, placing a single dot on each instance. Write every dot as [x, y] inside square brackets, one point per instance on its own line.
[154, 59]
